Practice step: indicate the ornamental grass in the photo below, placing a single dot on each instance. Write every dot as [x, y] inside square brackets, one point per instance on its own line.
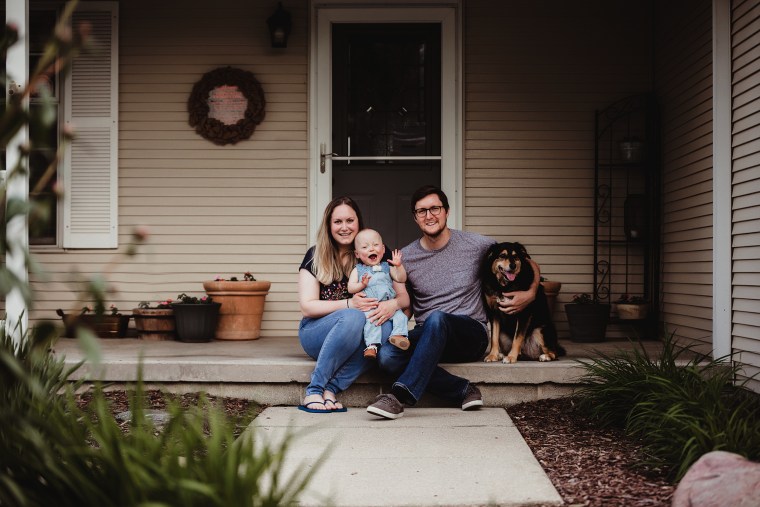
[680, 404]
[52, 452]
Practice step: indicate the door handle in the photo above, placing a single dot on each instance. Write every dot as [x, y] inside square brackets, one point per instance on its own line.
[323, 156]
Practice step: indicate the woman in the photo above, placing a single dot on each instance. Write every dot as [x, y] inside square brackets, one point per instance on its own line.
[332, 324]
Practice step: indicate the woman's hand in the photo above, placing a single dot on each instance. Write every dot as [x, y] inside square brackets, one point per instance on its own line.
[361, 302]
[384, 312]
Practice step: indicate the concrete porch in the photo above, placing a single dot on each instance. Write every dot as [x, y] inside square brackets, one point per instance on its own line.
[275, 370]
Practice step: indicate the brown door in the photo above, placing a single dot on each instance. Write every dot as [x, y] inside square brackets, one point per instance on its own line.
[386, 110]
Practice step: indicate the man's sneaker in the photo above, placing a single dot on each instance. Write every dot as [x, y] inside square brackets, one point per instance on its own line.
[472, 398]
[386, 405]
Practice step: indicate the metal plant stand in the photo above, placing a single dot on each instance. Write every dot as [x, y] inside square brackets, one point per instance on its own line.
[627, 206]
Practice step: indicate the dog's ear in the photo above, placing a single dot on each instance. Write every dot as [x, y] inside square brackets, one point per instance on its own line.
[521, 251]
[485, 265]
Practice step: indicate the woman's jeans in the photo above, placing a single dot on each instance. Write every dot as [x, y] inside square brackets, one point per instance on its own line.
[441, 338]
[335, 342]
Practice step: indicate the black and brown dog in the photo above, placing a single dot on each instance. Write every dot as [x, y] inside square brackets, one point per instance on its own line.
[529, 334]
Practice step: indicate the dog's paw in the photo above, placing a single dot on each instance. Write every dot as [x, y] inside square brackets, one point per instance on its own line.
[492, 358]
[509, 359]
[546, 357]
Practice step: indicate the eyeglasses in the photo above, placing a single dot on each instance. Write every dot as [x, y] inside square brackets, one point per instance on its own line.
[434, 210]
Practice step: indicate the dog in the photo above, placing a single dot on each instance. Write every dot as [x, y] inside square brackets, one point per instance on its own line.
[529, 334]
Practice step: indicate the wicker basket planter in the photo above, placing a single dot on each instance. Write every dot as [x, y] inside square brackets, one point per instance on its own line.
[104, 326]
[155, 324]
[632, 311]
[242, 307]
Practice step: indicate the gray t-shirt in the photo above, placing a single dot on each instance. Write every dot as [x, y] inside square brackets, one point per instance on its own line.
[447, 279]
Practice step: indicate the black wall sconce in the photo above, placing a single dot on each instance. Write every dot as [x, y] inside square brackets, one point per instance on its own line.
[279, 27]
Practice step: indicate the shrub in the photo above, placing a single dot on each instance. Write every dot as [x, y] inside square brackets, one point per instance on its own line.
[681, 405]
[54, 453]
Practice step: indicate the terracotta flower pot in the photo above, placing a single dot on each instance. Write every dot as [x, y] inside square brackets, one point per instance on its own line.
[155, 324]
[196, 322]
[551, 289]
[242, 307]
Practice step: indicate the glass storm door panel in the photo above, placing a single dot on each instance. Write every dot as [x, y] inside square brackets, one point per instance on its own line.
[386, 132]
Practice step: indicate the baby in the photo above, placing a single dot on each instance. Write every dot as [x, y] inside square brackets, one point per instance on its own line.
[375, 277]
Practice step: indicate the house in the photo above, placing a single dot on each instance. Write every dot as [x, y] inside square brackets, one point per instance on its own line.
[497, 103]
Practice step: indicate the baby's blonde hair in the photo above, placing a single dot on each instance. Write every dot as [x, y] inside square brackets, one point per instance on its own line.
[366, 232]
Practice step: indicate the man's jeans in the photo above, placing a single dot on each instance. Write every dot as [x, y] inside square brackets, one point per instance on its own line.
[443, 338]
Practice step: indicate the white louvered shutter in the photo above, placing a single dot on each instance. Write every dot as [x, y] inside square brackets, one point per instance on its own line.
[90, 217]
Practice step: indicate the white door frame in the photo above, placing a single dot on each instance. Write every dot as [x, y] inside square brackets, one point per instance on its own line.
[320, 92]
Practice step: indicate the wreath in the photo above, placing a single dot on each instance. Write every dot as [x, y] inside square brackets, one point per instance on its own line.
[213, 129]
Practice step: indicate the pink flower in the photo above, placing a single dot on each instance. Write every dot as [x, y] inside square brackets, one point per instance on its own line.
[140, 233]
[69, 131]
[203, 298]
[58, 189]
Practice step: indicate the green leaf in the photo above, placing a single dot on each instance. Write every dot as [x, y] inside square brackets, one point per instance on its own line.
[90, 345]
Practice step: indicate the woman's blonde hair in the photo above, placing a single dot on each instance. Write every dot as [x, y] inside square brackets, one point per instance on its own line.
[328, 266]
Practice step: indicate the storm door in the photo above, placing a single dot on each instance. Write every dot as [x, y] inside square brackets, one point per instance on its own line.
[386, 120]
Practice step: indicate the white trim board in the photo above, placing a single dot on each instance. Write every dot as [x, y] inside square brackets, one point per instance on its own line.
[722, 175]
[320, 102]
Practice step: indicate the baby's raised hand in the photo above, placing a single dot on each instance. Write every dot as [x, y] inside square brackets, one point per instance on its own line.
[395, 259]
[365, 279]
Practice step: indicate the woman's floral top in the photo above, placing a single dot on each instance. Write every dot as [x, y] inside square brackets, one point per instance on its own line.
[332, 292]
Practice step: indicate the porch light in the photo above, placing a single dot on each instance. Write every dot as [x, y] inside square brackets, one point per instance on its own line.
[279, 27]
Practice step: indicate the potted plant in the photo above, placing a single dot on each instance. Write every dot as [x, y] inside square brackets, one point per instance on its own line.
[155, 323]
[105, 325]
[587, 318]
[242, 306]
[195, 318]
[551, 289]
[631, 307]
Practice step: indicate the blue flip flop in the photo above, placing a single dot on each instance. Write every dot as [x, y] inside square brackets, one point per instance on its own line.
[336, 409]
[306, 408]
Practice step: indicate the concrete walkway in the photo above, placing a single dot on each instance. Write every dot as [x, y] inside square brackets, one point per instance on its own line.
[431, 456]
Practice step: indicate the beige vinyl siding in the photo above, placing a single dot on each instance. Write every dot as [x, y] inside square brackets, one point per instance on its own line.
[535, 72]
[746, 186]
[210, 209]
[683, 70]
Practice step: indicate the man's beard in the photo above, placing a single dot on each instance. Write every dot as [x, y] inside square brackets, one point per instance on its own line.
[435, 235]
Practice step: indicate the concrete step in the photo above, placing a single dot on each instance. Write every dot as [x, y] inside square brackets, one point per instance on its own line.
[275, 370]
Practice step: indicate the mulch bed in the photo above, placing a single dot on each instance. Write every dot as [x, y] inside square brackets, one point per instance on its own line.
[240, 411]
[589, 466]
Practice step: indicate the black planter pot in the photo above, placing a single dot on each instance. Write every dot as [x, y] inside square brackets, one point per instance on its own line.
[588, 323]
[196, 322]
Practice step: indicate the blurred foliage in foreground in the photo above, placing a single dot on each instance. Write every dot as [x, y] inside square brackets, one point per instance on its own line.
[52, 452]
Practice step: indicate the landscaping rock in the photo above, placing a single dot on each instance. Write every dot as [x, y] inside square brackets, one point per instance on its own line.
[720, 479]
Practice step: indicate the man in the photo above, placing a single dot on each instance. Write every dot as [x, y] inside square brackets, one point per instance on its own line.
[442, 274]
